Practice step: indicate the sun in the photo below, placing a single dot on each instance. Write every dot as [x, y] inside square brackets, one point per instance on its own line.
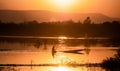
[64, 4]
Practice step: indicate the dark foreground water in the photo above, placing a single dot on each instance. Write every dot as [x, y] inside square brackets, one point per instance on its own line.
[55, 53]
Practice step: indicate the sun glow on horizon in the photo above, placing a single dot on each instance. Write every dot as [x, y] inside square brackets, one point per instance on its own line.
[63, 2]
[63, 5]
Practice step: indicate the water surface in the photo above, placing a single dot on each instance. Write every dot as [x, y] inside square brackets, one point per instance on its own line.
[38, 50]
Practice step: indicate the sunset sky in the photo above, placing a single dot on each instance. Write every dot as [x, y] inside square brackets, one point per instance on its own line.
[107, 7]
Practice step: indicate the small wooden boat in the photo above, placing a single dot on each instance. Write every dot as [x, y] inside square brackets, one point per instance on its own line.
[68, 51]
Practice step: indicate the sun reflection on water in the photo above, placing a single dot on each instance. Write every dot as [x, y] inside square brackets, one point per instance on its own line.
[65, 68]
[61, 68]
[60, 58]
[62, 37]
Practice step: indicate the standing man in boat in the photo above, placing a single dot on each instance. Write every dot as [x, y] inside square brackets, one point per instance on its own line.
[53, 51]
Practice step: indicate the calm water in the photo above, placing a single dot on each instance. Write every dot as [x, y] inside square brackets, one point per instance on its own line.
[21, 50]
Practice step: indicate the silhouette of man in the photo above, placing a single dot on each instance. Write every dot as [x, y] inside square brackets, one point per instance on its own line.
[87, 20]
[53, 51]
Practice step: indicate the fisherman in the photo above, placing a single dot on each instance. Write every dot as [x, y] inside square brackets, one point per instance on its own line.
[53, 51]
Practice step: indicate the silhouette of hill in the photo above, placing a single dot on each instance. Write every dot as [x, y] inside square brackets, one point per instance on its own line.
[46, 16]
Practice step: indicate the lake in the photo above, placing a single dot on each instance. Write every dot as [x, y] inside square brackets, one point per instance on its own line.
[55, 53]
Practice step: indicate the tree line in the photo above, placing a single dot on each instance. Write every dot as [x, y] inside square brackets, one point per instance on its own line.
[65, 28]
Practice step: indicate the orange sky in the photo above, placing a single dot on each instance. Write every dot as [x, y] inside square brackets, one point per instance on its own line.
[107, 7]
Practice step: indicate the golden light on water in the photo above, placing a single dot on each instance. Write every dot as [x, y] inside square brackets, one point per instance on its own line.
[62, 37]
[60, 58]
[64, 68]
[61, 68]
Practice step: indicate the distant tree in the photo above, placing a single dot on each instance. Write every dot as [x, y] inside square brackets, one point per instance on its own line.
[115, 22]
[33, 22]
[79, 22]
[106, 23]
[87, 20]
[70, 21]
